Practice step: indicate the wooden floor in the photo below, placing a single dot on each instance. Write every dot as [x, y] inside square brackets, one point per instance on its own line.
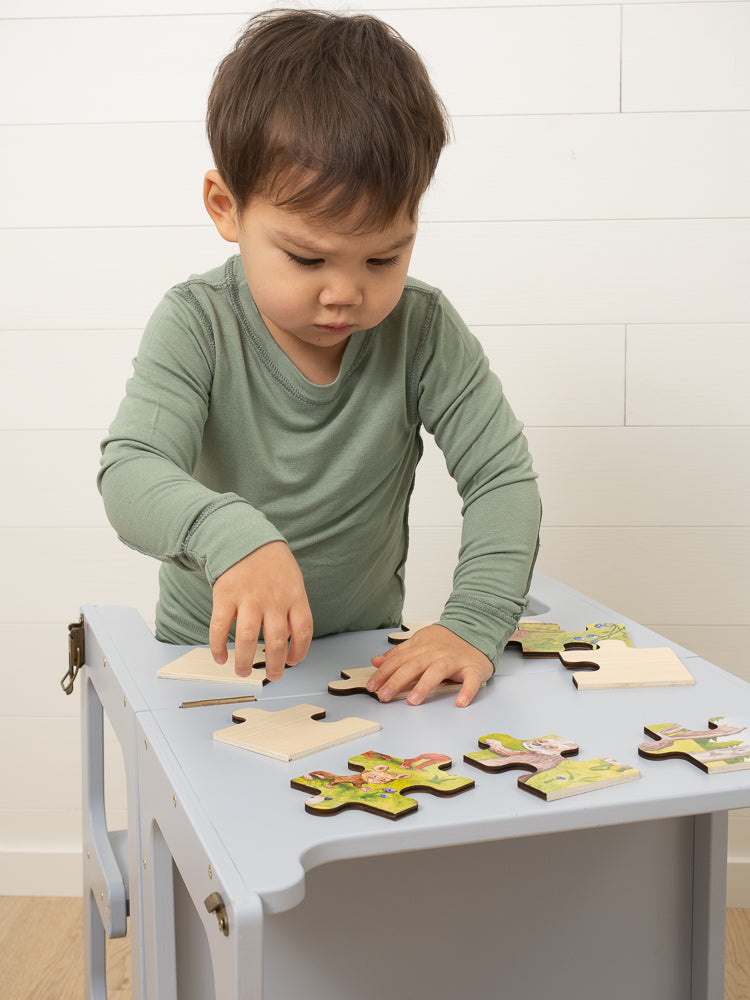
[41, 952]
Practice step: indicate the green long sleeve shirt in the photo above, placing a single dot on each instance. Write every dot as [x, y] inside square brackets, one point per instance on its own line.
[222, 445]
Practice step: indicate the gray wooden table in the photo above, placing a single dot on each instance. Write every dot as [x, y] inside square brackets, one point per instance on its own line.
[618, 892]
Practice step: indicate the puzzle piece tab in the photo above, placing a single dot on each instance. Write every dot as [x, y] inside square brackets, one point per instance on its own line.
[547, 639]
[354, 681]
[553, 776]
[199, 665]
[712, 750]
[291, 733]
[620, 666]
[407, 630]
[380, 784]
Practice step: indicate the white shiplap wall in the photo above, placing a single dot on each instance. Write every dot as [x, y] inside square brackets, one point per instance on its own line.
[591, 221]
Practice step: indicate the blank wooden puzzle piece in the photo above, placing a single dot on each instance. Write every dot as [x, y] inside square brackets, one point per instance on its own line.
[547, 639]
[380, 784]
[407, 630]
[292, 732]
[552, 777]
[619, 666]
[712, 749]
[354, 681]
[199, 665]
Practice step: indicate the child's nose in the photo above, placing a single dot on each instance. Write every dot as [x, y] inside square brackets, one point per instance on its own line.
[341, 292]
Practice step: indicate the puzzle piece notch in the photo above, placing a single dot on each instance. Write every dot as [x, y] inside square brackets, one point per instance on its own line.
[292, 732]
[553, 777]
[709, 749]
[407, 631]
[354, 681]
[199, 665]
[614, 665]
[548, 639]
[380, 784]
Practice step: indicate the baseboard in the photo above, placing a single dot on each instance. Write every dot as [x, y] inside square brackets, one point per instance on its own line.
[42, 873]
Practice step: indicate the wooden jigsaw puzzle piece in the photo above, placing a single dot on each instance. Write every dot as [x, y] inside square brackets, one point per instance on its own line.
[619, 666]
[292, 732]
[553, 776]
[407, 630]
[199, 665]
[712, 750]
[354, 681]
[547, 639]
[380, 784]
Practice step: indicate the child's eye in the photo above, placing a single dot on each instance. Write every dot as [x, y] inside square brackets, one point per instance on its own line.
[304, 261]
[383, 261]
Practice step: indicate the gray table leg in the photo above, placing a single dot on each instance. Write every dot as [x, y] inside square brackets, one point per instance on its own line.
[709, 905]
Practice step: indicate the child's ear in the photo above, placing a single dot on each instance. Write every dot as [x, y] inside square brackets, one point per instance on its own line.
[220, 205]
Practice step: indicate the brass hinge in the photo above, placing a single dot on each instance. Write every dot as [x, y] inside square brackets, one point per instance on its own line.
[215, 904]
[76, 655]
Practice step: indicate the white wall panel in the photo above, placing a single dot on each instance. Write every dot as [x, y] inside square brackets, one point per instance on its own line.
[145, 174]
[483, 61]
[92, 279]
[35, 657]
[591, 272]
[684, 576]
[56, 570]
[110, 69]
[51, 478]
[498, 273]
[509, 60]
[57, 379]
[688, 374]
[690, 56]
[498, 168]
[679, 476]
[559, 375]
[594, 167]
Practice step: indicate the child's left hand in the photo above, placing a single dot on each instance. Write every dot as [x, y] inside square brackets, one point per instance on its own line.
[432, 655]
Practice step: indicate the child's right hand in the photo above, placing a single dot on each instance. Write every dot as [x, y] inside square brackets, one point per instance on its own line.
[263, 590]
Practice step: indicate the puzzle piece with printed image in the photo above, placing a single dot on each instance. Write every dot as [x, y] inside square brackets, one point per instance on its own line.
[548, 639]
[713, 750]
[553, 776]
[380, 784]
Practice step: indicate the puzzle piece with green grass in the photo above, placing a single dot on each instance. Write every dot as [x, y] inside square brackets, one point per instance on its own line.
[380, 784]
[712, 750]
[547, 639]
[553, 775]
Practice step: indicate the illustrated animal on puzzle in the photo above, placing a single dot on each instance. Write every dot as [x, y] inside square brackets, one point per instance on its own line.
[553, 775]
[380, 784]
[709, 749]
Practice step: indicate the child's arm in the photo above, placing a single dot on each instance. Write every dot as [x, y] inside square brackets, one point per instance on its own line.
[461, 402]
[432, 655]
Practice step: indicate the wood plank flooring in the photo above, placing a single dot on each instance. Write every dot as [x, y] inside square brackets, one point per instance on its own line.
[41, 952]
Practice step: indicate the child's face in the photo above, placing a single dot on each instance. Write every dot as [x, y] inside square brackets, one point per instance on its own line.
[314, 286]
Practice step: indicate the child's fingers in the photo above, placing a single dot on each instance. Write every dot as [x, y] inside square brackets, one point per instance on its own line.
[275, 640]
[246, 636]
[218, 632]
[300, 633]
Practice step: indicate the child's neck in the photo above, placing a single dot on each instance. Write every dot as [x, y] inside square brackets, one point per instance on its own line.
[319, 365]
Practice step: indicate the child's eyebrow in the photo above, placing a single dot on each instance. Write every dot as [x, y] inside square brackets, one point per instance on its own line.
[316, 251]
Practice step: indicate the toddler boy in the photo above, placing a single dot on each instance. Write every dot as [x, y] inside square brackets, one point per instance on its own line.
[267, 445]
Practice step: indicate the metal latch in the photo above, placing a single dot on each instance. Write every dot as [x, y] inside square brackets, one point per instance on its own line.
[215, 904]
[76, 655]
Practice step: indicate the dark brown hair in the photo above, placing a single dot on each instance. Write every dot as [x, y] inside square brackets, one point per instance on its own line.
[331, 115]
